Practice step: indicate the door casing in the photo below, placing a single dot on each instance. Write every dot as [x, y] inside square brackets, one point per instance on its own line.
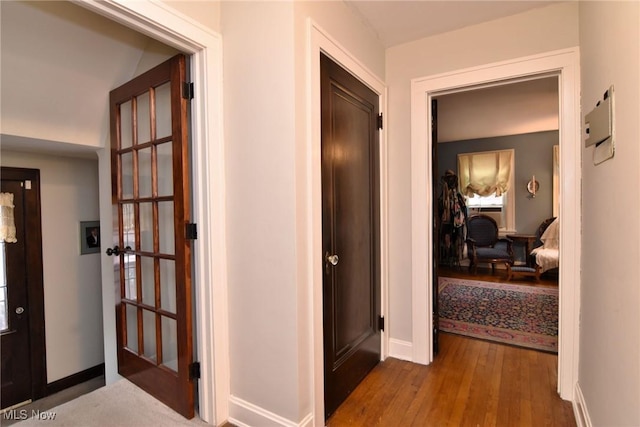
[566, 65]
[207, 160]
[320, 41]
[343, 371]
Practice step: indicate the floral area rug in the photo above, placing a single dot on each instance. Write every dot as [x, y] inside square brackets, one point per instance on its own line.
[513, 314]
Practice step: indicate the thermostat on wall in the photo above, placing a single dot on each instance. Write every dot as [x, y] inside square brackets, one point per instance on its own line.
[599, 122]
[600, 128]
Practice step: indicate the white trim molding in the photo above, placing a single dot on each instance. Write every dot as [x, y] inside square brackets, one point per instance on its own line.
[565, 65]
[318, 40]
[400, 349]
[253, 415]
[168, 26]
[580, 411]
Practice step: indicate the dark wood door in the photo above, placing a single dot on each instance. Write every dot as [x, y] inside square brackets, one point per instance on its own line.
[21, 291]
[435, 259]
[152, 254]
[350, 229]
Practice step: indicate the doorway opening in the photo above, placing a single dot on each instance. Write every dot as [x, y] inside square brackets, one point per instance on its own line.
[152, 253]
[321, 42]
[167, 27]
[350, 231]
[564, 64]
[487, 144]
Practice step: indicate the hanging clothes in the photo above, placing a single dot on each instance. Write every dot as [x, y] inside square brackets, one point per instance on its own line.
[453, 218]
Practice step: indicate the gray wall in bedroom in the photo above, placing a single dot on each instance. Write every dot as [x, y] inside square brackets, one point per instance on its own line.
[533, 156]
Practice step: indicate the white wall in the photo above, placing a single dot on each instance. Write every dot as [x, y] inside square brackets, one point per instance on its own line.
[265, 97]
[206, 13]
[339, 21]
[609, 374]
[72, 282]
[155, 53]
[540, 30]
[259, 139]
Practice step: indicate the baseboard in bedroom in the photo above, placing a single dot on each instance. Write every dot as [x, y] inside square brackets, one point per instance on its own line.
[399, 349]
[245, 414]
[580, 409]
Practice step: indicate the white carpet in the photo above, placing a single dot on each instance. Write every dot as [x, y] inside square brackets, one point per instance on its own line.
[121, 404]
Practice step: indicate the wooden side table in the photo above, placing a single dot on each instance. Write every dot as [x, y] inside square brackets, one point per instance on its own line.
[528, 240]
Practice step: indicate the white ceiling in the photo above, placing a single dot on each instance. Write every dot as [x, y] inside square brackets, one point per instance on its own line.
[396, 22]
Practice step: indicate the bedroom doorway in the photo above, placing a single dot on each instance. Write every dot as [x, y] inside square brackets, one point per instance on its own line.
[518, 120]
[565, 65]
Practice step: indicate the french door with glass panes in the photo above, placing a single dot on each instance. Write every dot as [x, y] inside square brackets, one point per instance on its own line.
[151, 249]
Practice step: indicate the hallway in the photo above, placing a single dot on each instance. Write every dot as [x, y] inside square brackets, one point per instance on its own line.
[470, 383]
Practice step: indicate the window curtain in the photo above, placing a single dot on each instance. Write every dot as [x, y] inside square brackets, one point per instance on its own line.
[484, 173]
[7, 223]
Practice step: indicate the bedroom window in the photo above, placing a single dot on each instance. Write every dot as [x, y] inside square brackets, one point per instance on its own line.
[486, 180]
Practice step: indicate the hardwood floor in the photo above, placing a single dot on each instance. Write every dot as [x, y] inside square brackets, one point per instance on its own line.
[499, 275]
[470, 383]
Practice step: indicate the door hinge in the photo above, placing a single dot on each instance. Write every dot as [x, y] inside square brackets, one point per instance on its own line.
[192, 231]
[381, 323]
[187, 90]
[380, 121]
[194, 371]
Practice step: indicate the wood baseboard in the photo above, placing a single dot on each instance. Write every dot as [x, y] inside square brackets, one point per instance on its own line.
[74, 379]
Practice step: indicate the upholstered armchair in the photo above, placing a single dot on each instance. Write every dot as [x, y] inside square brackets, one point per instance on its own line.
[546, 254]
[484, 245]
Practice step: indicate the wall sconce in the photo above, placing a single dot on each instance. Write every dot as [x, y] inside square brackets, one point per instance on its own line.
[533, 186]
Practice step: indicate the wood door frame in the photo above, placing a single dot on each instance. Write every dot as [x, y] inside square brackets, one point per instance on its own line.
[35, 277]
[436, 229]
[318, 40]
[207, 160]
[566, 65]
